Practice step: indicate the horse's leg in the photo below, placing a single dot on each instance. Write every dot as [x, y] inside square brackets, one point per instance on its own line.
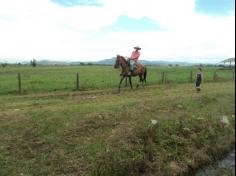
[126, 83]
[122, 78]
[142, 79]
[130, 82]
[138, 82]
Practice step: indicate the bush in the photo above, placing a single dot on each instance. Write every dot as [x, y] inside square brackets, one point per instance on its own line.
[33, 63]
[3, 64]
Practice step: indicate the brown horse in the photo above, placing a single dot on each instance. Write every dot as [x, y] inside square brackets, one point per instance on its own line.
[141, 71]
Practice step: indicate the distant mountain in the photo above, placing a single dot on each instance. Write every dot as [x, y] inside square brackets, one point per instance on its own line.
[110, 61]
[145, 62]
[106, 61]
[48, 62]
[164, 63]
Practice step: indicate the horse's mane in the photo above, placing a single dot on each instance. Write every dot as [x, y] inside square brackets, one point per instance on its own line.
[122, 57]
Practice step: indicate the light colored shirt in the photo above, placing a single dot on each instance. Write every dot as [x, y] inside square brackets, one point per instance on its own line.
[135, 55]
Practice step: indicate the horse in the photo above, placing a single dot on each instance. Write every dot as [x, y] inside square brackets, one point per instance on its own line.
[141, 71]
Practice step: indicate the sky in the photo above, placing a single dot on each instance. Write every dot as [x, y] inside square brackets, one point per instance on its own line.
[91, 30]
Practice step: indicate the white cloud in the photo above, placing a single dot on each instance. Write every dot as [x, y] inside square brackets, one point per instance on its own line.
[42, 29]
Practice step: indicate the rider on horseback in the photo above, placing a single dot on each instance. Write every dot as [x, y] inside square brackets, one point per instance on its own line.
[134, 58]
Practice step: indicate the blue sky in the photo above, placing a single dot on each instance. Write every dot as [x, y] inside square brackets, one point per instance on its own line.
[70, 3]
[86, 30]
[126, 23]
[215, 7]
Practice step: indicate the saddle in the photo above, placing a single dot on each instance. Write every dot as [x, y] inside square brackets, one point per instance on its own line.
[136, 69]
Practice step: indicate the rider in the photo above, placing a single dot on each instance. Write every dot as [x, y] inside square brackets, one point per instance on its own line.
[134, 58]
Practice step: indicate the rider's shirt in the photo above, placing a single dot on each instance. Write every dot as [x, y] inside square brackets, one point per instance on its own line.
[135, 55]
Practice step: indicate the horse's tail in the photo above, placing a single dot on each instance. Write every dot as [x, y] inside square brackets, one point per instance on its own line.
[145, 74]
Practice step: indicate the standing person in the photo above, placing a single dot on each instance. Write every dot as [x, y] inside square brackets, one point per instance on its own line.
[134, 58]
[198, 79]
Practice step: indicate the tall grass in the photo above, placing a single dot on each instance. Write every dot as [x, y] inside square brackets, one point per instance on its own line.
[112, 134]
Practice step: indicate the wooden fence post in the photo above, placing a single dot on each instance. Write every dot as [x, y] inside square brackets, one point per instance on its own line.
[77, 81]
[19, 83]
[214, 76]
[165, 77]
[162, 77]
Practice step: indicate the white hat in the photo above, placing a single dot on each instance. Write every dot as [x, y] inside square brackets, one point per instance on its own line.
[137, 47]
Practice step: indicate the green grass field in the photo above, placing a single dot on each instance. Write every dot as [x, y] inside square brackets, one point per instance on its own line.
[63, 78]
[103, 133]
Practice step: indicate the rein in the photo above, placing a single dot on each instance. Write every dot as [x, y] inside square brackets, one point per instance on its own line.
[124, 61]
[124, 64]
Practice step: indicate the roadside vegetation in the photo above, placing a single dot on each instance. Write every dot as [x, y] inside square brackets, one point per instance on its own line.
[163, 130]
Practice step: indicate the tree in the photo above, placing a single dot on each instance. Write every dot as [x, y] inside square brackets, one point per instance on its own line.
[33, 63]
[3, 64]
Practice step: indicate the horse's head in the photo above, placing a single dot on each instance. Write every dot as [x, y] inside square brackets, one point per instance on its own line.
[117, 63]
